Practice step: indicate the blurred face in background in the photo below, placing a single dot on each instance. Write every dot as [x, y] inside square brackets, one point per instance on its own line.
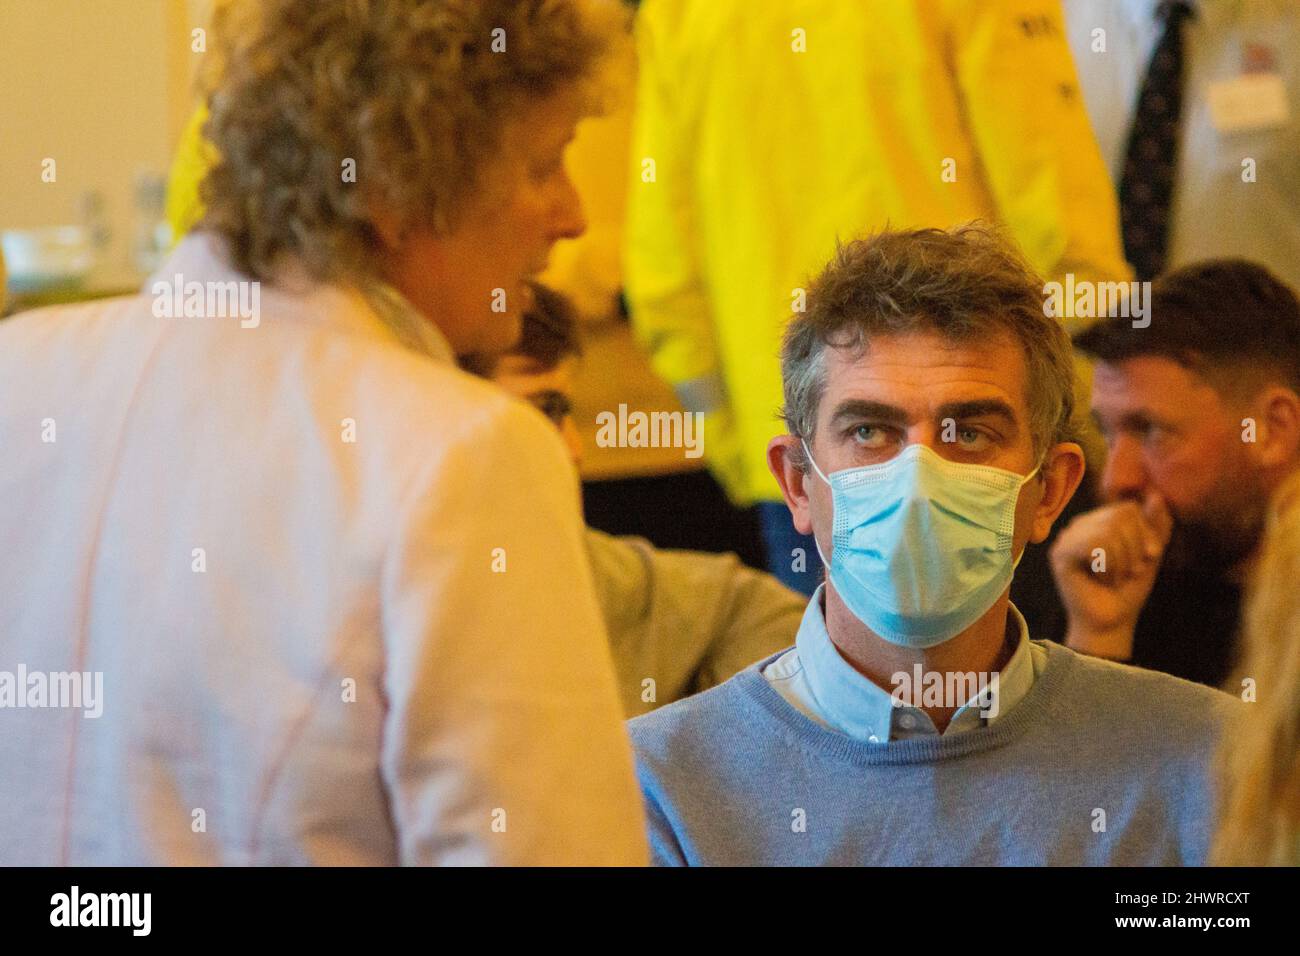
[1168, 429]
[463, 278]
[548, 390]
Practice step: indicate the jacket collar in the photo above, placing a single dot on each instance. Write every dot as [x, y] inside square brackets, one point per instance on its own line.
[374, 309]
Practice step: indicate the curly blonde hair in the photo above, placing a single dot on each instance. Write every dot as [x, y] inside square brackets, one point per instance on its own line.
[410, 91]
[1260, 759]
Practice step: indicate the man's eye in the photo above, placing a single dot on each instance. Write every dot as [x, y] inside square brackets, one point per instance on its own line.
[971, 438]
[1154, 434]
[1145, 431]
[869, 436]
[555, 407]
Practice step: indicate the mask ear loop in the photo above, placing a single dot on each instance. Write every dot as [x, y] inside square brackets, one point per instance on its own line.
[1037, 468]
[813, 461]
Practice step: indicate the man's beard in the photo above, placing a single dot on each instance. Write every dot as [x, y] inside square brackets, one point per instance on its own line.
[1214, 547]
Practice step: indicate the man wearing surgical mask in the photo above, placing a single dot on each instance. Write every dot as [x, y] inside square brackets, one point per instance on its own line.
[928, 400]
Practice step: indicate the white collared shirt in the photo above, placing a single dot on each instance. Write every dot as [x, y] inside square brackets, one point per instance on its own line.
[1215, 212]
[815, 679]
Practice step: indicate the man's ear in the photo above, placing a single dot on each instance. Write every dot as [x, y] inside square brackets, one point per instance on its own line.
[1276, 413]
[1061, 474]
[785, 456]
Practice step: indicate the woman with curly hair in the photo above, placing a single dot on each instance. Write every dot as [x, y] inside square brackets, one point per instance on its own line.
[332, 589]
[419, 144]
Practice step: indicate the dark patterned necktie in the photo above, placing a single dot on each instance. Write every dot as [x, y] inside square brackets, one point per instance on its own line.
[1147, 184]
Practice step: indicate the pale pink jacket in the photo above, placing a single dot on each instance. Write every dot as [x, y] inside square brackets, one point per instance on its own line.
[313, 650]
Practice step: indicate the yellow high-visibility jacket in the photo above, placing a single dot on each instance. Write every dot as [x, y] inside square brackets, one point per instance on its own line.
[589, 270]
[767, 131]
[194, 157]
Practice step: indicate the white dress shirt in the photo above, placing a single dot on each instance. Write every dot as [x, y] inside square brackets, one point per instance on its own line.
[1215, 213]
[336, 591]
[816, 680]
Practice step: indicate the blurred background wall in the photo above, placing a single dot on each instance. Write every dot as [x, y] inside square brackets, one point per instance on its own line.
[103, 88]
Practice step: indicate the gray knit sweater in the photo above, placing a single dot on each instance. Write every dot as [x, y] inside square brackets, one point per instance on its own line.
[1099, 764]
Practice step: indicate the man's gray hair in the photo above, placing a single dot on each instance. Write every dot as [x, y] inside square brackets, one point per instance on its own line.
[961, 283]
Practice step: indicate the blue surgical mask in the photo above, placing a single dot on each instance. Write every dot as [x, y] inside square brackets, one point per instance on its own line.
[921, 546]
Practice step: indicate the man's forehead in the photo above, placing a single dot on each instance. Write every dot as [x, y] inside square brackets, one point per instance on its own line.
[927, 367]
[1146, 370]
[1146, 381]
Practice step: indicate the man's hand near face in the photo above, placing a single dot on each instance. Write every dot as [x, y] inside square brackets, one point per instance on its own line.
[1105, 563]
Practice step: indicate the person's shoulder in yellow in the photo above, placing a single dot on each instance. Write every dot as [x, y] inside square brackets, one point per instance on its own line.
[911, 113]
[194, 157]
[1023, 103]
